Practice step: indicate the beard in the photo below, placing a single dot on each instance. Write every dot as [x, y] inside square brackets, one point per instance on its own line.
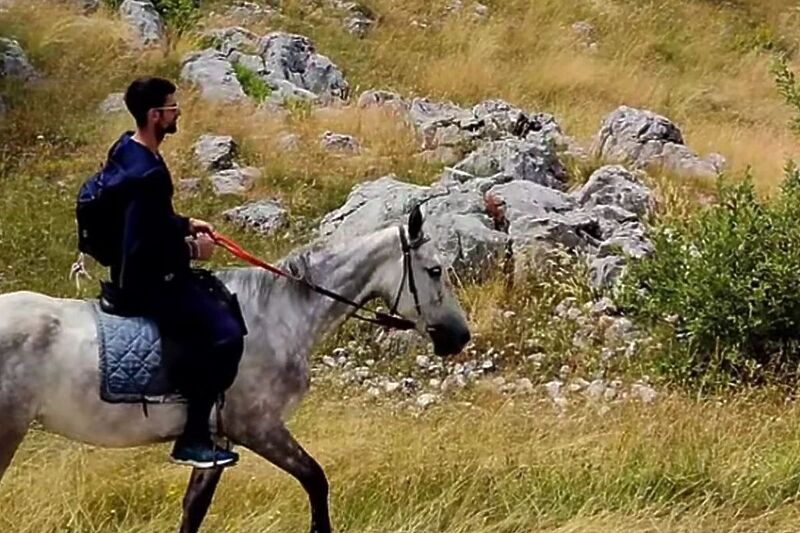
[169, 129]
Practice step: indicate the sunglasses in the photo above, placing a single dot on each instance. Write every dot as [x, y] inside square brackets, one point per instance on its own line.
[174, 107]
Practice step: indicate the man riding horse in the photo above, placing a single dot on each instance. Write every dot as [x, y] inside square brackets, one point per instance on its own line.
[151, 274]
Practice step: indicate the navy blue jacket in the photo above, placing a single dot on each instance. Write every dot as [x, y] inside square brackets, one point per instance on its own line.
[153, 248]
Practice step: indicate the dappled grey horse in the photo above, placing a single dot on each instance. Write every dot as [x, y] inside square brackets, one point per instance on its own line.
[49, 350]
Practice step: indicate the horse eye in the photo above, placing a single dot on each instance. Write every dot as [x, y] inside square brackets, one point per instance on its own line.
[435, 272]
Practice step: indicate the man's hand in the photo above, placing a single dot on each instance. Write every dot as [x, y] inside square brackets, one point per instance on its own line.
[200, 226]
[202, 247]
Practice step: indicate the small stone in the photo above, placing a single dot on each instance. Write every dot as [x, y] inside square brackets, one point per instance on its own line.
[339, 142]
[434, 383]
[645, 393]
[265, 216]
[370, 362]
[289, 142]
[604, 306]
[235, 180]
[561, 402]
[340, 351]
[391, 386]
[487, 365]
[409, 384]
[342, 361]
[329, 361]
[454, 382]
[553, 388]
[423, 361]
[609, 394]
[362, 373]
[215, 152]
[524, 386]
[426, 400]
[537, 358]
[596, 389]
[374, 392]
[114, 103]
[564, 371]
[188, 186]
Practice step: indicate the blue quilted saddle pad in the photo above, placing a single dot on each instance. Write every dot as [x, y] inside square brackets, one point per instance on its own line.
[131, 360]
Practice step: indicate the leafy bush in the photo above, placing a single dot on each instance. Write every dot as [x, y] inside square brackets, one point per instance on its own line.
[252, 85]
[787, 87]
[725, 281]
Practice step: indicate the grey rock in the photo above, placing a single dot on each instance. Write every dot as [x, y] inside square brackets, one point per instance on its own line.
[292, 59]
[647, 140]
[188, 186]
[423, 361]
[455, 219]
[645, 393]
[453, 383]
[337, 142]
[613, 185]
[14, 62]
[144, 19]
[265, 216]
[391, 386]
[329, 361]
[215, 152]
[381, 98]
[426, 400]
[89, 7]
[629, 240]
[250, 12]
[235, 180]
[213, 74]
[553, 388]
[604, 272]
[233, 39]
[289, 142]
[114, 103]
[596, 389]
[524, 386]
[585, 33]
[532, 159]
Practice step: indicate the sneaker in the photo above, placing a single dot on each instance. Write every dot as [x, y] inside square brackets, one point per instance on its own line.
[203, 456]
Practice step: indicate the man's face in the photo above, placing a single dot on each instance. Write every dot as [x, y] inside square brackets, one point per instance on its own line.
[166, 118]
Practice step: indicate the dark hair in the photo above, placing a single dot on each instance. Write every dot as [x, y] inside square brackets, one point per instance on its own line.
[146, 93]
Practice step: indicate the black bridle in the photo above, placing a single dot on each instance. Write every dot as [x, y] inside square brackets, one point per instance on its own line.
[391, 320]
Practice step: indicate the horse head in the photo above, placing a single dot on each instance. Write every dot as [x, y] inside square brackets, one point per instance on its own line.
[424, 293]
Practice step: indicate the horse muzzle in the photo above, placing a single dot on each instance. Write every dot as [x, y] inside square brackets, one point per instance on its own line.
[449, 339]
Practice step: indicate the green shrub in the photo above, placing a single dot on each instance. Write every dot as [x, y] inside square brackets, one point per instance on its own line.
[726, 283]
[787, 87]
[252, 85]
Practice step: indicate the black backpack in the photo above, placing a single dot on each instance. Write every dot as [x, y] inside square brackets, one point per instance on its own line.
[99, 215]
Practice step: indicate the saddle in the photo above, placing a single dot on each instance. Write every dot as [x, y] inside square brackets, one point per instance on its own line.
[137, 359]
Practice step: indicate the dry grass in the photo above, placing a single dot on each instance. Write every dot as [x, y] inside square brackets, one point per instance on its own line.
[680, 465]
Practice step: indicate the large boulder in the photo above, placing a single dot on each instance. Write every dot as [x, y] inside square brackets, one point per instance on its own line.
[646, 140]
[293, 59]
[531, 159]
[214, 75]
[455, 219]
[14, 61]
[144, 20]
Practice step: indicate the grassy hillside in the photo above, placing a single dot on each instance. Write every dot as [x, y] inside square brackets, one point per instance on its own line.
[492, 465]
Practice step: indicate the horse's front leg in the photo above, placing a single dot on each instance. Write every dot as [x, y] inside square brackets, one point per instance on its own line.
[197, 499]
[276, 445]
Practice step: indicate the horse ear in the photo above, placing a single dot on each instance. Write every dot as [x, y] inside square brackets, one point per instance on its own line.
[415, 224]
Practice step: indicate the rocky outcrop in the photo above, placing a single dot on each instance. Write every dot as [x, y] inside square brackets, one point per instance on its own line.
[144, 20]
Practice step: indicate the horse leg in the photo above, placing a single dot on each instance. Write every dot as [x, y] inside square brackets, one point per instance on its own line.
[277, 446]
[197, 500]
[11, 435]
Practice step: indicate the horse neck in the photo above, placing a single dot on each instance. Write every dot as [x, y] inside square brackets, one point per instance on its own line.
[358, 270]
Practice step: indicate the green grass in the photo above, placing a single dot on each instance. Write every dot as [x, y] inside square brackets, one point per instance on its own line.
[253, 86]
